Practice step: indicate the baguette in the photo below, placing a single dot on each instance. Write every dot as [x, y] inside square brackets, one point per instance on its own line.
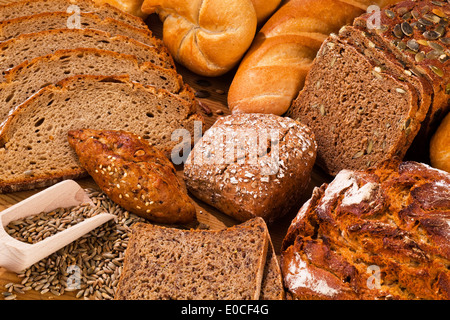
[274, 69]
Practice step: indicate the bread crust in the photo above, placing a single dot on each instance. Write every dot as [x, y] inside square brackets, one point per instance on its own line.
[248, 178]
[133, 174]
[391, 220]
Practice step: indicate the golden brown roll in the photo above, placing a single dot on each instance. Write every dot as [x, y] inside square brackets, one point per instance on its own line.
[208, 37]
[440, 146]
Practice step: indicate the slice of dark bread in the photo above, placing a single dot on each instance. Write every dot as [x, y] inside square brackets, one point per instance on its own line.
[29, 77]
[34, 151]
[167, 263]
[58, 20]
[359, 114]
[30, 7]
[32, 45]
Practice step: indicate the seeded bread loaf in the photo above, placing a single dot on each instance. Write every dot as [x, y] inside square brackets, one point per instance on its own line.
[347, 101]
[375, 234]
[251, 165]
[416, 33]
[373, 135]
[29, 77]
[32, 45]
[34, 150]
[23, 8]
[133, 174]
[172, 264]
[58, 20]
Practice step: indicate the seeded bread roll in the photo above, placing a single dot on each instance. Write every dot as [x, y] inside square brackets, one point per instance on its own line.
[133, 174]
[252, 165]
[374, 234]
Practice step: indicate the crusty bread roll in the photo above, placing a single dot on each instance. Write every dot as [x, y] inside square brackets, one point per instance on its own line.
[264, 8]
[440, 146]
[130, 6]
[208, 37]
[274, 69]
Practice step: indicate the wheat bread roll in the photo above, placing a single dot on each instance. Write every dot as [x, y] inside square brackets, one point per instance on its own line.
[440, 146]
[208, 37]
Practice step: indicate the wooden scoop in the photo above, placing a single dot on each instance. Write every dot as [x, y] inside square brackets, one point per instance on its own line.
[16, 255]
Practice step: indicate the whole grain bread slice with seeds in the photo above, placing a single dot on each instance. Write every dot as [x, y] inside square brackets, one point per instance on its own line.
[34, 151]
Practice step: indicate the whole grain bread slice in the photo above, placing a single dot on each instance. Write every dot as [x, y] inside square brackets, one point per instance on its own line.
[30, 7]
[59, 20]
[349, 102]
[167, 263]
[29, 77]
[32, 45]
[34, 151]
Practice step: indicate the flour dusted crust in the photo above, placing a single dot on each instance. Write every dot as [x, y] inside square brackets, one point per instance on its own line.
[237, 168]
[376, 234]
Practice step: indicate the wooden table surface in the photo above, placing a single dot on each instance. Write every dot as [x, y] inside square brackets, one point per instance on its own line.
[212, 93]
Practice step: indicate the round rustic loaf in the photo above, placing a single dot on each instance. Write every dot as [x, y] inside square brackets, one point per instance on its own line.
[375, 234]
[252, 165]
[208, 37]
[440, 146]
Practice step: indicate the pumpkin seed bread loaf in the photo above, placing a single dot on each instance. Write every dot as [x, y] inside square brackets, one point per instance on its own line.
[375, 234]
[172, 264]
[362, 120]
[133, 174]
[34, 151]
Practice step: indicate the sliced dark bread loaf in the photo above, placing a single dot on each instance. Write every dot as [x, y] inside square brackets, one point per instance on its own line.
[32, 45]
[29, 77]
[58, 20]
[416, 33]
[167, 263]
[30, 7]
[272, 282]
[359, 114]
[34, 151]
